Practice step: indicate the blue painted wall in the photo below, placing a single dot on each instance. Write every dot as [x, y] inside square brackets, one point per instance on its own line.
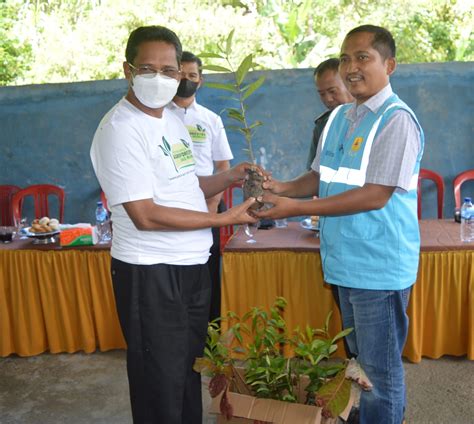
[46, 130]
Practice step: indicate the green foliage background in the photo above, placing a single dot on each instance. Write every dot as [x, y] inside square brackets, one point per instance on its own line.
[44, 41]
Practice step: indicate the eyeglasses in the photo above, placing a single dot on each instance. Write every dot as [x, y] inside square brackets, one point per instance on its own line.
[149, 72]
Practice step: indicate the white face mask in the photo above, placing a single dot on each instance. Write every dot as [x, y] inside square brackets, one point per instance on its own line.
[154, 92]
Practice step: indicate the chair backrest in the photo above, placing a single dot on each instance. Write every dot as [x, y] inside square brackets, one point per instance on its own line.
[103, 199]
[6, 194]
[426, 174]
[457, 183]
[40, 194]
[227, 231]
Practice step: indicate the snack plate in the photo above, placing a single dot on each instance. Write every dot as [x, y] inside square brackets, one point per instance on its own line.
[306, 224]
[42, 238]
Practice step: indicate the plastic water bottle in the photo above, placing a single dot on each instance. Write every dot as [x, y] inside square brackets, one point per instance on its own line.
[467, 221]
[102, 223]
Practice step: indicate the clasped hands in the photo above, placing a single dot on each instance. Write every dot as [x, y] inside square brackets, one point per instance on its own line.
[275, 206]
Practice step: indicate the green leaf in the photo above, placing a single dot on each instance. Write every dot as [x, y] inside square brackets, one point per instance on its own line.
[237, 118]
[235, 114]
[167, 145]
[210, 55]
[228, 43]
[243, 69]
[216, 68]
[335, 393]
[328, 319]
[251, 88]
[254, 125]
[342, 334]
[222, 86]
[202, 364]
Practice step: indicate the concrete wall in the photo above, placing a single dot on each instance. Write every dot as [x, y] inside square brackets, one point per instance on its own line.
[46, 130]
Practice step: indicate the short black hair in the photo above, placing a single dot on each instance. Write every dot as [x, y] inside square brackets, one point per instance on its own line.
[383, 40]
[331, 64]
[192, 58]
[151, 33]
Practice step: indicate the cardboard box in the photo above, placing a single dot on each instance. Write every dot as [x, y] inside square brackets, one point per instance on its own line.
[247, 408]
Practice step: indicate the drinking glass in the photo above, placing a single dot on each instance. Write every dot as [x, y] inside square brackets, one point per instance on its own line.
[21, 227]
[7, 234]
[250, 230]
[281, 223]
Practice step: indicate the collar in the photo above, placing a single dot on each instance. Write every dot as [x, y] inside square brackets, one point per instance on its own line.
[323, 116]
[373, 104]
[193, 105]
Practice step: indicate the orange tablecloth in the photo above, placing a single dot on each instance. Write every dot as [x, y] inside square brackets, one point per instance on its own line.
[56, 299]
[61, 299]
[286, 262]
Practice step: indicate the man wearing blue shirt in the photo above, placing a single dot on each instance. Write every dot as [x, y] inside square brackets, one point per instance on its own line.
[365, 174]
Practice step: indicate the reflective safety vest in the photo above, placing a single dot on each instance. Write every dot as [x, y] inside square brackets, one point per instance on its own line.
[378, 249]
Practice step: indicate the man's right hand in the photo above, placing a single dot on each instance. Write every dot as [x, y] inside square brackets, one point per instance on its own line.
[238, 214]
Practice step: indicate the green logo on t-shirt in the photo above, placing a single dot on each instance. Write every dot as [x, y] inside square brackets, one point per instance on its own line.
[180, 153]
[197, 133]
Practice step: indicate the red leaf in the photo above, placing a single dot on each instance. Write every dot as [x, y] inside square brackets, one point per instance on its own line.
[217, 384]
[226, 407]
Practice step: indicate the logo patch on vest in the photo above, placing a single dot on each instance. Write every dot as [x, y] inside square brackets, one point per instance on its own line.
[357, 143]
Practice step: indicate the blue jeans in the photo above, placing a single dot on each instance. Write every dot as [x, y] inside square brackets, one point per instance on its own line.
[380, 325]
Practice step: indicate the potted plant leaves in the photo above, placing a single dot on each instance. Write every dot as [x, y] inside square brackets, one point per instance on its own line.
[309, 385]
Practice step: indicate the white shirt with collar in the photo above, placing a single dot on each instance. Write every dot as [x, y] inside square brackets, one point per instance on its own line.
[207, 133]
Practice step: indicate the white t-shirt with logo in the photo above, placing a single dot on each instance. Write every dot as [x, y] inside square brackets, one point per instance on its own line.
[136, 156]
[207, 133]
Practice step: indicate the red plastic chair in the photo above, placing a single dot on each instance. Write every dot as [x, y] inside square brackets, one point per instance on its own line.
[6, 194]
[103, 199]
[227, 231]
[40, 194]
[458, 181]
[426, 174]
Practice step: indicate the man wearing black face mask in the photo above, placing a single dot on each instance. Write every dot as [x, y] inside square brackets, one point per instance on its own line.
[210, 148]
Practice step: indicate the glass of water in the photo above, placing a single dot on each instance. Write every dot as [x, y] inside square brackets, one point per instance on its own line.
[281, 223]
[250, 230]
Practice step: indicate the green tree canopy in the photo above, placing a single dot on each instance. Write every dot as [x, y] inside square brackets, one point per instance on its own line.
[59, 41]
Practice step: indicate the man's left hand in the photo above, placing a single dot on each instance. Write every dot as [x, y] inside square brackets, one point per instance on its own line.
[281, 207]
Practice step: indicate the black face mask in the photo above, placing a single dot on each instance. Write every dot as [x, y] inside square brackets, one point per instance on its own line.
[186, 88]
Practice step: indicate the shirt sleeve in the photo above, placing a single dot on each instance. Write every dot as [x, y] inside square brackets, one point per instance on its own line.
[122, 164]
[220, 145]
[394, 153]
[317, 158]
[314, 144]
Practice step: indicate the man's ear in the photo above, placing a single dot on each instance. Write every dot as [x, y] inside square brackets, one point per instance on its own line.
[391, 65]
[127, 71]
[201, 81]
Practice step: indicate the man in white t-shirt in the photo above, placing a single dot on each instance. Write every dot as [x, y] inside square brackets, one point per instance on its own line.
[144, 162]
[211, 151]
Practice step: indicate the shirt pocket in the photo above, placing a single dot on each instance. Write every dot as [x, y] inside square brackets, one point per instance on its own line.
[364, 243]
